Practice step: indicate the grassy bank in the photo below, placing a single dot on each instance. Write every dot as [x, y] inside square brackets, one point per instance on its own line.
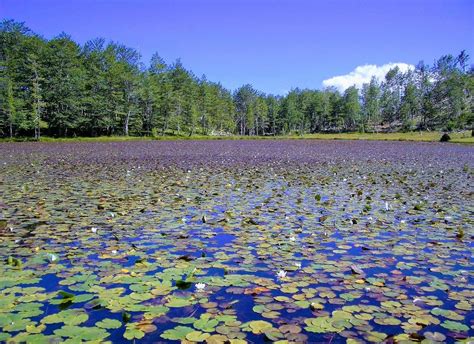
[432, 136]
[459, 137]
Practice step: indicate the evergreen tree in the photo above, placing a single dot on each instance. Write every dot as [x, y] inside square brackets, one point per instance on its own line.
[351, 108]
[57, 87]
[370, 105]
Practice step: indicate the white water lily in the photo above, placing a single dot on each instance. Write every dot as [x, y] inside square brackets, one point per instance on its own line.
[387, 207]
[298, 265]
[114, 252]
[418, 302]
[292, 238]
[52, 257]
[281, 274]
[94, 230]
[200, 286]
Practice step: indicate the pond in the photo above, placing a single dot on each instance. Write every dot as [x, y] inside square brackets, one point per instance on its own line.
[236, 241]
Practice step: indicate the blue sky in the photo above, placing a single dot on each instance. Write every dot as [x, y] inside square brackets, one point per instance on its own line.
[273, 44]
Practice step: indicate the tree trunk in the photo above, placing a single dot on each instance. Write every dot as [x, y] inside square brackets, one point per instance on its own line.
[127, 119]
[165, 127]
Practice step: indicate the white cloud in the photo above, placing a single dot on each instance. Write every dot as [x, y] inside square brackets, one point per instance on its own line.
[363, 74]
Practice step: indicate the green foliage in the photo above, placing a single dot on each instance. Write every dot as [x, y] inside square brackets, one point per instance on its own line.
[59, 88]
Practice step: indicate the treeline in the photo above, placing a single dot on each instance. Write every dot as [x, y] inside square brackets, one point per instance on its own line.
[59, 88]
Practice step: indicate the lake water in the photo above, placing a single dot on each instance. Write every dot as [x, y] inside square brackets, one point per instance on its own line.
[236, 241]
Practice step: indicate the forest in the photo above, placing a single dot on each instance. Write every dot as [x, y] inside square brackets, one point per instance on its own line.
[60, 88]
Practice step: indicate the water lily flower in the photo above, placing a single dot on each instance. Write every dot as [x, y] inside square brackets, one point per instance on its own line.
[94, 230]
[367, 289]
[292, 238]
[52, 257]
[114, 252]
[200, 286]
[387, 207]
[298, 265]
[418, 302]
[281, 274]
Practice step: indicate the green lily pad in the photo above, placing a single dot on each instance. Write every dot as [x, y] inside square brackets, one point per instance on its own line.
[133, 332]
[206, 324]
[68, 317]
[177, 333]
[197, 336]
[82, 333]
[109, 324]
[259, 326]
[178, 302]
[455, 326]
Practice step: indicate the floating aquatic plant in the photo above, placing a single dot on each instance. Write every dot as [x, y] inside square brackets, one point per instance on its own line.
[376, 250]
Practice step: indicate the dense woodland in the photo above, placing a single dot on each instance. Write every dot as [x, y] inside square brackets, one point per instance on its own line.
[59, 88]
